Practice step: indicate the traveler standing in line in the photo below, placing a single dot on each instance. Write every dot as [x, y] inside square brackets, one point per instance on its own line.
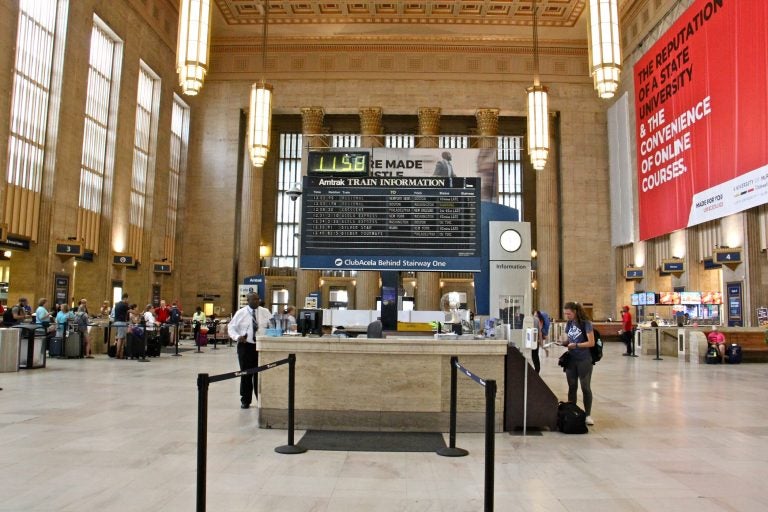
[42, 316]
[578, 338]
[162, 313]
[16, 314]
[63, 317]
[248, 322]
[198, 320]
[121, 312]
[81, 321]
[626, 329]
[542, 323]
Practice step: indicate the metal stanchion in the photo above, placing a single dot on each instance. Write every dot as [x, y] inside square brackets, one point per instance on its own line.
[175, 338]
[451, 450]
[203, 381]
[490, 439]
[658, 343]
[290, 448]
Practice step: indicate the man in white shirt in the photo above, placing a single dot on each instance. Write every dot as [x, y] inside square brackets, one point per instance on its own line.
[248, 322]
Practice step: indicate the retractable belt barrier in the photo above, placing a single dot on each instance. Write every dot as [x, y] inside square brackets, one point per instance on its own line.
[203, 382]
[490, 415]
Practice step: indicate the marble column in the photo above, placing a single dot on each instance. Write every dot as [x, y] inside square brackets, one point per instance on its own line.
[548, 228]
[308, 281]
[367, 281]
[428, 283]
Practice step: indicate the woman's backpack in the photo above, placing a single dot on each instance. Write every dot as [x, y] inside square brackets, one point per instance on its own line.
[596, 350]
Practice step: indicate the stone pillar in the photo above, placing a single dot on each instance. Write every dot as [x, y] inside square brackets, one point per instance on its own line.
[249, 260]
[548, 228]
[757, 295]
[488, 131]
[311, 127]
[367, 287]
[371, 128]
[428, 283]
[429, 126]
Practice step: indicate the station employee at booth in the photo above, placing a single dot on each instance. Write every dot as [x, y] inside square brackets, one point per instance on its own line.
[249, 321]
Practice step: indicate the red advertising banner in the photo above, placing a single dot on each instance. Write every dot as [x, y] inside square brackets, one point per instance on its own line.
[701, 110]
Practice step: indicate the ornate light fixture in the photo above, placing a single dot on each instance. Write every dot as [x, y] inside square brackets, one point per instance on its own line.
[604, 49]
[538, 111]
[193, 43]
[260, 108]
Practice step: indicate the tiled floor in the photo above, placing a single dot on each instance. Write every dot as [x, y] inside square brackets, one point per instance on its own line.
[108, 435]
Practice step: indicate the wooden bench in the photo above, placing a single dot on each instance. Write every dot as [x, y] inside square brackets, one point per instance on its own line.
[753, 346]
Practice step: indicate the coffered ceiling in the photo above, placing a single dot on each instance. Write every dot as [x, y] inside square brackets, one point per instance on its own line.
[473, 19]
[557, 13]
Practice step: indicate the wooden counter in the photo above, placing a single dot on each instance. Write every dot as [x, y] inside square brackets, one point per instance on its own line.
[379, 384]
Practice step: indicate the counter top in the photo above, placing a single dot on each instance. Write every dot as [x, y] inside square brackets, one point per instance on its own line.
[405, 345]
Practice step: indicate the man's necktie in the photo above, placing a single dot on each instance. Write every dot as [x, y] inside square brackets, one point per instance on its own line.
[254, 323]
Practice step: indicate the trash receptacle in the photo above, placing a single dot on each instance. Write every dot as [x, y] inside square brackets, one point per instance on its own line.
[9, 350]
[32, 346]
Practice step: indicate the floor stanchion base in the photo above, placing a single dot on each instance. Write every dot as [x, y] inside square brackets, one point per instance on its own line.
[290, 449]
[452, 452]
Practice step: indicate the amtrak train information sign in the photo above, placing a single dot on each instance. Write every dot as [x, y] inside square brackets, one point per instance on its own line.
[391, 223]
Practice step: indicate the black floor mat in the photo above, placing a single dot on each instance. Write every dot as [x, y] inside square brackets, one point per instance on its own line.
[346, 441]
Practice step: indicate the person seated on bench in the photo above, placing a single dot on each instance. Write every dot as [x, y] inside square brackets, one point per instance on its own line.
[717, 339]
[376, 329]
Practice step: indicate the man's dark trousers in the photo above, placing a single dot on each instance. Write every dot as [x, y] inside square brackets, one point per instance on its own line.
[248, 357]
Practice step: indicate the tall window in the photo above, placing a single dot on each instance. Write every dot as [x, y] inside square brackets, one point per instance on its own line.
[99, 129]
[179, 142]
[286, 253]
[39, 49]
[511, 172]
[145, 141]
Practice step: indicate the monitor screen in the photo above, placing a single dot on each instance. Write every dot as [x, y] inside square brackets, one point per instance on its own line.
[634, 299]
[650, 298]
[690, 297]
[669, 298]
[711, 298]
[310, 321]
[641, 299]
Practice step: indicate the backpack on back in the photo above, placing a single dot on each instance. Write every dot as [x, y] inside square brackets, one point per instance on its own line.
[571, 419]
[175, 316]
[596, 350]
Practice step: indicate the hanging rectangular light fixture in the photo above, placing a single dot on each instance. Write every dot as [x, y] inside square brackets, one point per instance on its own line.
[538, 126]
[194, 40]
[260, 107]
[538, 108]
[604, 47]
[259, 122]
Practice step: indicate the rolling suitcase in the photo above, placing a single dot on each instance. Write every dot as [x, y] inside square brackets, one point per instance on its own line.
[165, 335]
[73, 345]
[733, 353]
[153, 345]
[56, 347]
[134, 346]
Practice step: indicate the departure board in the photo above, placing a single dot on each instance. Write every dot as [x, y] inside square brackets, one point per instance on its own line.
[391, 223]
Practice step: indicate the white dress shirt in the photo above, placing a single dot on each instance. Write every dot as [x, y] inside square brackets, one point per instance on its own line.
[242, 323]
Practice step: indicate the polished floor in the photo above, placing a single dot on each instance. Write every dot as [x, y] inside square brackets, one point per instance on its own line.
[108, 435]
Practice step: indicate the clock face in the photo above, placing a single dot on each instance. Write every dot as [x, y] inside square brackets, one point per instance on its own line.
[510, 240]
[338, 163]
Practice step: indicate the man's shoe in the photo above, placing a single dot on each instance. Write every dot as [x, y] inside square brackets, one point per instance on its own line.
[625, 354]
[245, 406]
[590, 421]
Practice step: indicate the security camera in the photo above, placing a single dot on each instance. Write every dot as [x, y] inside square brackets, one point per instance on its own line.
[295, 192]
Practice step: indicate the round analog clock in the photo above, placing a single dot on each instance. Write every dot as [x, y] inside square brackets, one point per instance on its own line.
[510, 240]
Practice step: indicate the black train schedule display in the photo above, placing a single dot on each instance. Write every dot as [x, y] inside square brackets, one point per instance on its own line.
[398, 223]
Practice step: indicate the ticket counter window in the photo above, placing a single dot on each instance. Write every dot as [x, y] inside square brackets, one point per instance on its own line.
[280, 298]
[338, 298]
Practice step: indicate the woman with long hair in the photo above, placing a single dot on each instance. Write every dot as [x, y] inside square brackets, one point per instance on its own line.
[579, 337]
